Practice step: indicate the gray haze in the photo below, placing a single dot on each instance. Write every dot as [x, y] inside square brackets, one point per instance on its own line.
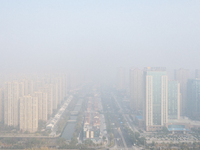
[98, 36]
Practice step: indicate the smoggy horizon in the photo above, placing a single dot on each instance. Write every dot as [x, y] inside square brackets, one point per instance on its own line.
[98, 37]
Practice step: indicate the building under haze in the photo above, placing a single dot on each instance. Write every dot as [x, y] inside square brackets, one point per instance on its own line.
[156, 107]
[182, 76]
[42, 105]
[193, 96]
[173, 100]
[28, 87]
[11, 103]
[55, 96]
[28, 113]
[49, 90]
[121, 78]
[136, 89]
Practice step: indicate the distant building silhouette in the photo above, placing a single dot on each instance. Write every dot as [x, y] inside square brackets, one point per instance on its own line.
[28, 113]
[136, 89]
[182, 76]
[11, 103]
[193, 96]
[42, 105]
[174, 100]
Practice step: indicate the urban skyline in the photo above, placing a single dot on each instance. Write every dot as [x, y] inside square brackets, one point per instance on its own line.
[100, 74]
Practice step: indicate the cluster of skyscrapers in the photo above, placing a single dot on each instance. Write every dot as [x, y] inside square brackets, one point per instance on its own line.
[25, 101]
[159, 99]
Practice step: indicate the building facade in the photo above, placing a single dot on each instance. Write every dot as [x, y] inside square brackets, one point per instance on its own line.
[193, 96]
[42, 105]
[182, 76]
[173, 100]
[11, 103]
[156, 103]
[49, 90]
[28, 113]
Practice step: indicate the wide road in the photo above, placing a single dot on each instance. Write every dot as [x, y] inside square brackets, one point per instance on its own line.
[127, 119]
[114, 112]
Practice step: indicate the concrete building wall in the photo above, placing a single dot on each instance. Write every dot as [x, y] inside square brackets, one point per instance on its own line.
[28, 87]
[49, 90]
[11, 104]
[42, 105]
[55, 96]
[28, 113]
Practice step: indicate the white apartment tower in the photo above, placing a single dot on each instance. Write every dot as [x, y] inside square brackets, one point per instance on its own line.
[42, 105]
[156, 103]
[55, 96]
[11, 103]
[28, 113]
[49, 90]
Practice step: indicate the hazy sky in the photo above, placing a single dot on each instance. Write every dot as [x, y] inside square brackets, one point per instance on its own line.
[98, 35]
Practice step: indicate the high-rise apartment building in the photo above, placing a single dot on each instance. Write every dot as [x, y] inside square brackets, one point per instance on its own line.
[28, 113]
[56, 83]
[173, 100]
[55, 96]
[63, 85]
[49, 90]
[21, 89]
[42, 105]
[193, 96]
[136, 89]
[28, 87]
[11, 103]
[156, 103]
[182, 76]
[59, 84]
